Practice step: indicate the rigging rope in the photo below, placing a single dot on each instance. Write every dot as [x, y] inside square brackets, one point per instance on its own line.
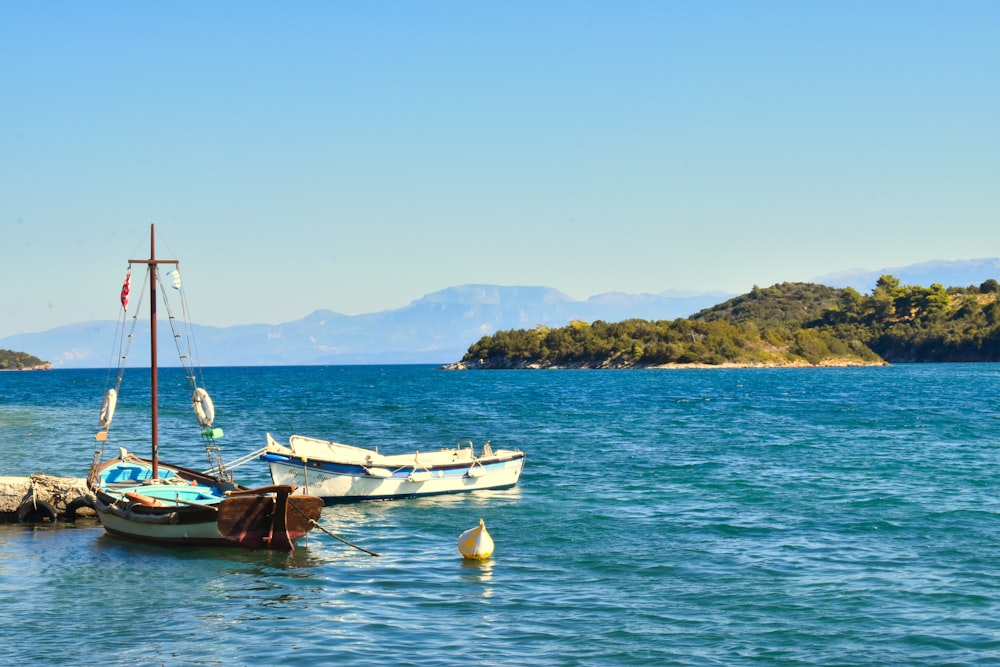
[122, 346]
[123, 343]
[183, 337]
[235, 463]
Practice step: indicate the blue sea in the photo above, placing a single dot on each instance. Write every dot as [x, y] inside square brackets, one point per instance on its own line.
[838, 516]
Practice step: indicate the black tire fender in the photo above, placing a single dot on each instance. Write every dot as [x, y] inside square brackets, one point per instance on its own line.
[36, 511]
[78, 504]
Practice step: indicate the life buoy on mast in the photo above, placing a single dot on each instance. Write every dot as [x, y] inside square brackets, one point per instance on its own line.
[203, 407]
[108, 408]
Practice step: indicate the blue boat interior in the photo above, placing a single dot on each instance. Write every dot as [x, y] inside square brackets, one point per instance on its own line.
[138, 478]
[125, 473]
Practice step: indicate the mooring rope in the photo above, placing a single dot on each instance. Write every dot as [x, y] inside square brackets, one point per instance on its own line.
[336, 537]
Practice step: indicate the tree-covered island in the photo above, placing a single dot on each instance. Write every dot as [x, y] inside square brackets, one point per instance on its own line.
[788, 324]
[21, 361]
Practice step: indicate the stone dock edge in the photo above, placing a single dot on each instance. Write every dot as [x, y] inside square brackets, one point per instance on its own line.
[43, 498]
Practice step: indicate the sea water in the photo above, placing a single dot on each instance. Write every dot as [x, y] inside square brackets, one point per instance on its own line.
[669, 517]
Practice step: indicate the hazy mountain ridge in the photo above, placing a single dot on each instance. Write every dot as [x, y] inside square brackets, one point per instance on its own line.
[437, 328]
[949, 273]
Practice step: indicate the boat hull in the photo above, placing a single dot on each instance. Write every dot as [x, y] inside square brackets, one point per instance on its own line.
[194, 528]
[188, 508]
[345, 483]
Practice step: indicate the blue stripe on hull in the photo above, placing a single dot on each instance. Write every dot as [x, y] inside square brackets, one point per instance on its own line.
[298, 468]
[340, 500]
[346, 469]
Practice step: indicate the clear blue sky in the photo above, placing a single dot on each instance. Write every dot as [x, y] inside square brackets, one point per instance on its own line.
[356, 156]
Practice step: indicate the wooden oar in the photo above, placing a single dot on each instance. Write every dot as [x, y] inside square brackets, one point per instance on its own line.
[191, 503]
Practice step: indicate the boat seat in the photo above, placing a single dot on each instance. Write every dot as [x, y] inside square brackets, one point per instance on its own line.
[190, 494]
[122, 474]
[133, 474]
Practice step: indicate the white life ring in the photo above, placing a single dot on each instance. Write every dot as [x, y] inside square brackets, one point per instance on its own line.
[108, 408]
[203, 407]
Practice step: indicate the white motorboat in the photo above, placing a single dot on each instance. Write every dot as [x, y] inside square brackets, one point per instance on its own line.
[340, 473]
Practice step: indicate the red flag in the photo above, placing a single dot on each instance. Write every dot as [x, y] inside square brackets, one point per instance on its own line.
[125, 288]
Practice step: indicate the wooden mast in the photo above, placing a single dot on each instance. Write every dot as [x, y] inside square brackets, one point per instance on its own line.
[151, 265]
[153, 375]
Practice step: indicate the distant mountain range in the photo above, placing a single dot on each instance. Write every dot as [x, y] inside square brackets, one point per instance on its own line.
[435, 329]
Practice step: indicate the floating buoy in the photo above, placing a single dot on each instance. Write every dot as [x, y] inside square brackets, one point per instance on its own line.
[476, 543]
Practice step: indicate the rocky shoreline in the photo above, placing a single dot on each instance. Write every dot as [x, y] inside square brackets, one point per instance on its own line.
[507, 364]
[40, 367]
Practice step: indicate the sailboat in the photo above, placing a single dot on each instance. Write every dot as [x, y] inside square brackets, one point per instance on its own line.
[148, 500]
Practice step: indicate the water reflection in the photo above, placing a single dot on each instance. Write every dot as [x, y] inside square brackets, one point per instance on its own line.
[479, 572]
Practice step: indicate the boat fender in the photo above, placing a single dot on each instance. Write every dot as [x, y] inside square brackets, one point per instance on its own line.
[203, 407]
[36, 511]
[140, 499]
[108, 408]
[79, 504]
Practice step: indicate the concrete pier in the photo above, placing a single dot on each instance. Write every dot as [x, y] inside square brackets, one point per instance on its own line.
[44, 499]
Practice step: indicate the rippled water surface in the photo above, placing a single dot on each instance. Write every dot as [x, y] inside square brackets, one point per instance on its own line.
[726, 517]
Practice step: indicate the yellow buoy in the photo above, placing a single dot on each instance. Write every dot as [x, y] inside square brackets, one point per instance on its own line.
[476, 543]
